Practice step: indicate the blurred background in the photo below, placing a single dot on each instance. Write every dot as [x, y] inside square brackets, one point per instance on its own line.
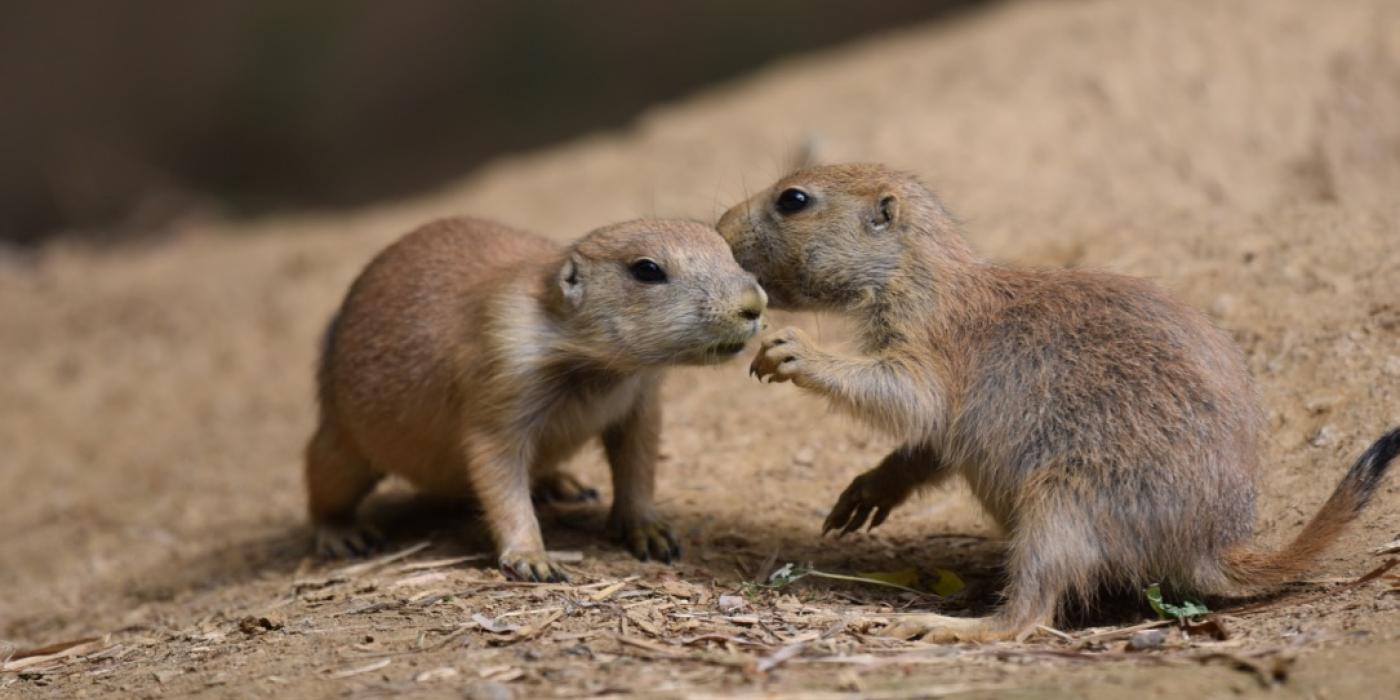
[123, 117]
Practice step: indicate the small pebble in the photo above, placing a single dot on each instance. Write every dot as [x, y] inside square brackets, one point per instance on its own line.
[1223, 306]
[1326, 436]
[731, 603]
[1392, 365]
[487, 690]
[1147, 639]
[438, 674]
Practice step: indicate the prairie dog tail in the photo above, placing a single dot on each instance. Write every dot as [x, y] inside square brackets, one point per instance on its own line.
[1247, 566]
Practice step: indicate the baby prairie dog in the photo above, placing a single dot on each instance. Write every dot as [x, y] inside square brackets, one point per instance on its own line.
[473, 359]
[1109, 430]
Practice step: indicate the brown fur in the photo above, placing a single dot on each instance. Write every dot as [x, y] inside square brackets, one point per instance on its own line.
[1111, 431]
[473, 359]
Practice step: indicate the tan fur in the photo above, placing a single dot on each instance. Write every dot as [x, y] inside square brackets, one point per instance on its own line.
[473, 359]
[1110, 430]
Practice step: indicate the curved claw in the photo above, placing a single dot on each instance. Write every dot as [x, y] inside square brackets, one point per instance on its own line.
[857, 504]
[857, 520]
[778, 357]
[840, 513]
[347, 541]
[531, 566]
[651, 539]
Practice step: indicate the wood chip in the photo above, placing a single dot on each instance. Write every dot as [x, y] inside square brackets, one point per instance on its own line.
[27, 658]
[444, 673]
[534, 630]
[50, 649]
[442, 563]
[367, 668]
[365, 567]
[501, 674]
[607, 592]
[422, 579]
[679, 589]
[508, 676]
[1388, 548]
[167, 675]
[491, 625]
[780, 656]
[650, 646]
[644, 624]
[1054, 632]
[1121, 632]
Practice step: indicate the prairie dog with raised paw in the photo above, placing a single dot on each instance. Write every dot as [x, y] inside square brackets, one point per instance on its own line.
[473, 359]
[1111, 431]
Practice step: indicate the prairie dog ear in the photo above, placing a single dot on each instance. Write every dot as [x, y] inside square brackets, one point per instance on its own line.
[570, 280]
[886, 212]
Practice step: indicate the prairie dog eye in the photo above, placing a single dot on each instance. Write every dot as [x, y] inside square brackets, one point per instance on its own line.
[646, 270]
[793, 200]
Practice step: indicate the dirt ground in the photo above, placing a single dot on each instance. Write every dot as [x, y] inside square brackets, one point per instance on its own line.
[1245, 155]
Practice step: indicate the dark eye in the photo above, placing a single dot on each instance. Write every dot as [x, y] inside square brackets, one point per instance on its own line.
[793, 200]
[648, 271]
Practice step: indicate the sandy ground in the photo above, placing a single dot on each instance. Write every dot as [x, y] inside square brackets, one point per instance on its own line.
[1246, 155]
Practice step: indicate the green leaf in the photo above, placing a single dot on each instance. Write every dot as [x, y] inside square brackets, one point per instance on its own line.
[1189, 608]
[948, 583]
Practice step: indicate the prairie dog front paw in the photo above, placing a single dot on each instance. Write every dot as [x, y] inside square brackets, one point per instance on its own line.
[784, 355]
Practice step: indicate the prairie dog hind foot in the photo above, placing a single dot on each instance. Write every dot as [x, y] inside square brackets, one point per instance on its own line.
[562, 487]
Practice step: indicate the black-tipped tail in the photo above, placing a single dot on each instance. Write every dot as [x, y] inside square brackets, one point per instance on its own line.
[1253, 567]
[1364, 476]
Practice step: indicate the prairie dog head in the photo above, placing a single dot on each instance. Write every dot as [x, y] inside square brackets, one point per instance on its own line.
[654, 292]
[836, 237]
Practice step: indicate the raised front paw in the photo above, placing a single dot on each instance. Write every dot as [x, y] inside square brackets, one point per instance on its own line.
[647, 537]
[531, 566]
[865, 495]
[784, 355]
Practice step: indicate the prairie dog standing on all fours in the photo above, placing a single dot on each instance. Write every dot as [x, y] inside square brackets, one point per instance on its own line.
[473, 359]
[1111, 431]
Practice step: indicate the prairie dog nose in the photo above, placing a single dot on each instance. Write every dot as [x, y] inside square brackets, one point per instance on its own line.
[753, 302]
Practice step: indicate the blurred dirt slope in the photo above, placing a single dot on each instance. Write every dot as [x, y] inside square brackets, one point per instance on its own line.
[1245, 154]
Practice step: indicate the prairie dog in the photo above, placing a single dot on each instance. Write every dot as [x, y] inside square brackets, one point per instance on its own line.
[473, 359]
[1111, 431]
